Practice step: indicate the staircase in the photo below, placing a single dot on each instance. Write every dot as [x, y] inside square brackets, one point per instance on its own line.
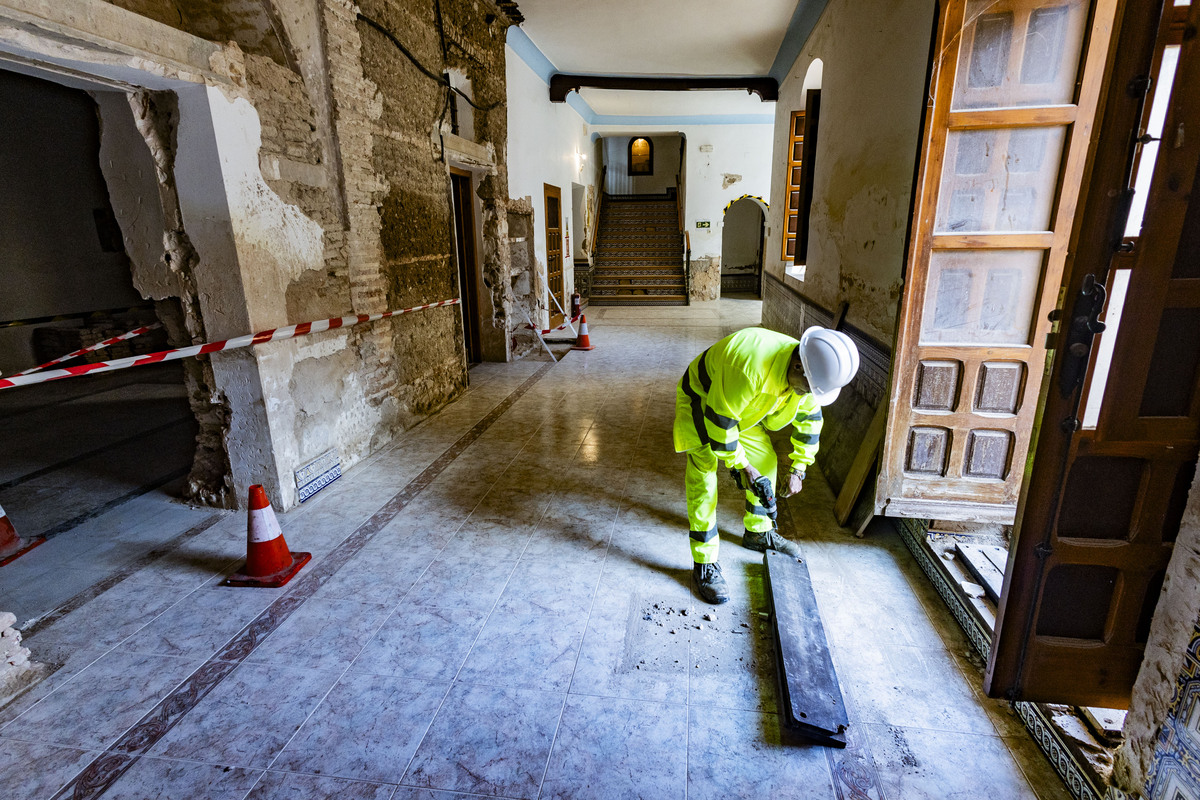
[639, 253]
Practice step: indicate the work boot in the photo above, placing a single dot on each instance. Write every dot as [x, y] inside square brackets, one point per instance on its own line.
[770, 540]
[710, 583]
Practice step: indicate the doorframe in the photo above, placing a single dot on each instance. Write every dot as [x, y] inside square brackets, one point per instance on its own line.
[550, 190]
[468, 293]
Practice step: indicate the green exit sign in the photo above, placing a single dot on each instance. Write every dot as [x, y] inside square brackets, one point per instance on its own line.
[703, 223]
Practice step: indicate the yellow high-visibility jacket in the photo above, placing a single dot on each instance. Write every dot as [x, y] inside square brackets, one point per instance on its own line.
[737, 383]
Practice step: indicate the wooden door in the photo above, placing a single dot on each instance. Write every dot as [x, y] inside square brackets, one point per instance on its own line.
[554, 252]
[1116, 452]
[464, 241]
[1014, 91]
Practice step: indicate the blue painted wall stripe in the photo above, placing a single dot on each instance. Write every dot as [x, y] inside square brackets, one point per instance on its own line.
[804, 19]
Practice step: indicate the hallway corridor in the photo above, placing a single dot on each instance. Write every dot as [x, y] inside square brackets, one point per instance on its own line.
[500, 605]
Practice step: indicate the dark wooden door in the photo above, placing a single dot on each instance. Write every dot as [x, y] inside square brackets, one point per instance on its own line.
[464, 240]
[554, 252]
[1117, 445]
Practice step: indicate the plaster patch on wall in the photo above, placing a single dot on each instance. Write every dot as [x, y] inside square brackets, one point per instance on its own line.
[261, 219]
[729, 179]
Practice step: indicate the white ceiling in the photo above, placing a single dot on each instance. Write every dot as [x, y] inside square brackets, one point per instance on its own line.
[658, 37]
[713, 38]
[674, 104]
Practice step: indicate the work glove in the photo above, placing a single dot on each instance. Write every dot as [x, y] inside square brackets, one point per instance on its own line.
[793, 484]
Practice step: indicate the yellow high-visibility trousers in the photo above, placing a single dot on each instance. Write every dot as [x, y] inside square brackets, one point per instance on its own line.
[701, 478]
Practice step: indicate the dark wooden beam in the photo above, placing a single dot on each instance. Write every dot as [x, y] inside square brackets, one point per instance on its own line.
[561, 85]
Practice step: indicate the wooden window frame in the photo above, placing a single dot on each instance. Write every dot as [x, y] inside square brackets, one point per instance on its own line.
[802, 188]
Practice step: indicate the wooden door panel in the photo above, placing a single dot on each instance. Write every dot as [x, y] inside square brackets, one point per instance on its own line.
[1007, 139]
[554, 251]
[1103, 505]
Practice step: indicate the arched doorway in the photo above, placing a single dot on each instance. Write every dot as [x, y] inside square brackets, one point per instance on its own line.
[742, 246]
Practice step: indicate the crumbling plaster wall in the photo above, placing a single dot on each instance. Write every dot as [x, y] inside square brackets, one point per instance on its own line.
[335, 180]
[1154, 705]
[875, 55]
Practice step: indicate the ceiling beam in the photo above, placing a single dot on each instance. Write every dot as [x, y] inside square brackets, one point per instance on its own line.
[561, 85]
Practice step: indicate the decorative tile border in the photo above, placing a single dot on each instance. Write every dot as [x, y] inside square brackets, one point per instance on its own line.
[1175, 773]
[100, 774]
[1034, 715]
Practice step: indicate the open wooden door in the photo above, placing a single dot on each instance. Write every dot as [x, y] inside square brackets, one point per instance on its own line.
[1014, 92]
[1117, 446]
[464, 243]
[554, 252]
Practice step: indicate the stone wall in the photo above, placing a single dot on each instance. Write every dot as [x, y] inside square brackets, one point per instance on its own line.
[344, 207]
[1162, 730]
[705, 272]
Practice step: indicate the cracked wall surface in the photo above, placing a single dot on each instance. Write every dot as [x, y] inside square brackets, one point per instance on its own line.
[297, 169]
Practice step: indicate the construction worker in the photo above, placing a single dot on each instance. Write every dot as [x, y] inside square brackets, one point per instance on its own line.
[750, 382]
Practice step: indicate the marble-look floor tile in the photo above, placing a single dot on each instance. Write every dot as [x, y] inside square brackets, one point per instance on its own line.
[96, 706]
[422, 643]
[199, 627]
[36, 769]
[944, 765]
[911, 686]
[366, 728]
[462, 582]
[732, 659]
[162, 778]
[521, 649]
[539, 587]
[378, 575]
[321, 634]
[248, 717]
[289, 786]
[488, 740]
[625, 655]
[113, 616]
[618, 750]
[1036, 768]
[742, 754]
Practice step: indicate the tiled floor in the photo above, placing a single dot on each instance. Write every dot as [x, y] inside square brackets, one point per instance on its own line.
[500, 605]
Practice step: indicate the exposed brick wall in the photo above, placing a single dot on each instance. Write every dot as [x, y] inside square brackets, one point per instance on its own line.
[350, 137]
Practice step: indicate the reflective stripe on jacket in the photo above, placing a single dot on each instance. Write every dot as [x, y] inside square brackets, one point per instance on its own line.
[739, 382]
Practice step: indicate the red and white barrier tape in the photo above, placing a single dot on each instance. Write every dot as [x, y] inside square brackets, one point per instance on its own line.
[92, 348]
[569, 323]
[262, 337]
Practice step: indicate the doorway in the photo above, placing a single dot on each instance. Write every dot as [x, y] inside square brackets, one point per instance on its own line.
[742, 236]
[554, 254]
[468, 278]
[80, 448]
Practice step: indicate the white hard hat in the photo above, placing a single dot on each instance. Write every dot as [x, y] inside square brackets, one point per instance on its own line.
[830, 360]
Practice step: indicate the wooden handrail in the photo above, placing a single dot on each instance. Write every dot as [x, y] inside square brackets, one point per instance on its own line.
[591, 240]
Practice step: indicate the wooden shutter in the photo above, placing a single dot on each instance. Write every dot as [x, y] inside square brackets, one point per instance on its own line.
[1105, 498]
[1014, 92]
[791, 179]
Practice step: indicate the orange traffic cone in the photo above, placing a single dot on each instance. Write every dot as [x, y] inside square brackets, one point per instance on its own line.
[11, 545]
[583, 342]
[268, 561]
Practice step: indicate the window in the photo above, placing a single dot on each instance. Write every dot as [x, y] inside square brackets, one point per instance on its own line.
[641, 156]
[801, 146]
[791, 206]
